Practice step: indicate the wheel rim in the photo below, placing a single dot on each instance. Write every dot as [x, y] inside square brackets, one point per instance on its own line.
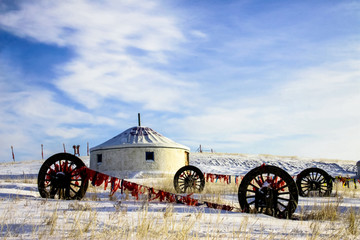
[62, 177]
[189, 179]
[269, 190]
[314, 182]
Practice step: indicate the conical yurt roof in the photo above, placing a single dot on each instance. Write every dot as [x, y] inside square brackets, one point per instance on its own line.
[139, 137]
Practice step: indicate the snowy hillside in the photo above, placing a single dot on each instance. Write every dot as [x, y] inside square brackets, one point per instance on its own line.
[240, 164]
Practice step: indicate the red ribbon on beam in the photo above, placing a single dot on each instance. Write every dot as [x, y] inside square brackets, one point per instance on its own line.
[98, 178]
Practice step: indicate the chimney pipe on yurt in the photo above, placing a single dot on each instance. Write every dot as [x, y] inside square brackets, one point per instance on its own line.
[139, 120]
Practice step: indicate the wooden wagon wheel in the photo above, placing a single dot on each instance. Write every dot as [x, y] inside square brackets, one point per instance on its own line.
[269, 190]
[61, 176]
[314, 181]
[189, 179]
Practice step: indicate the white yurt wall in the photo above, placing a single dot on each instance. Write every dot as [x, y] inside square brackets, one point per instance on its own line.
[138, 149]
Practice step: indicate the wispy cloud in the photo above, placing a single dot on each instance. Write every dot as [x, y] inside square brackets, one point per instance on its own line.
[32, 114]
[313, 114]
[101, 36]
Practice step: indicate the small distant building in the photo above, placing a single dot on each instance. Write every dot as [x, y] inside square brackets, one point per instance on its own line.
[138, 149]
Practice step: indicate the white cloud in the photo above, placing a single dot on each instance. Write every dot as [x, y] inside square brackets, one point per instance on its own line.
[33, 115]
[122, 81]
[65, 133]
[314, 114]
[100, 35]
[199, 34]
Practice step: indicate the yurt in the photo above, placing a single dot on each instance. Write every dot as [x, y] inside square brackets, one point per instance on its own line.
[138, 150]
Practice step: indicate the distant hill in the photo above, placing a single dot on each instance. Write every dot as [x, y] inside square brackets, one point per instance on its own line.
[240, 164]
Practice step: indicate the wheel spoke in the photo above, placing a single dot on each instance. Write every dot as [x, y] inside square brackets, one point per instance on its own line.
[323, 181]
[279, 183]
[67, 165]
[254, 186]
[305, 186]
[283, 193]
[309, 178]
[76, 180]
[74, 169]
[285, 199]
[305, 180]
[280, 203]
[77, 174]
[281, 188]
[314, 176]
[75, 185]
[320, 177]
[250, 196]
[324, 190]
[60, 166]
[258, 181]
[262, 179]
[73, 190]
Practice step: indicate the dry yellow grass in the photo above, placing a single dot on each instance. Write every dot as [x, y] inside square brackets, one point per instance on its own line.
[82, 220]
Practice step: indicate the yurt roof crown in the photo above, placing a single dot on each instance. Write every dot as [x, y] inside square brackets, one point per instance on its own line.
[139, 137]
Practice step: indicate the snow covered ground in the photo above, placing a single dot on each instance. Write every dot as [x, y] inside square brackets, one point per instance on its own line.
[24, 215]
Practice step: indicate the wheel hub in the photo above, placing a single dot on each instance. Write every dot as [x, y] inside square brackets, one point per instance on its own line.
[190, 181]
[266, 197]
[314, 186]
[61, 180]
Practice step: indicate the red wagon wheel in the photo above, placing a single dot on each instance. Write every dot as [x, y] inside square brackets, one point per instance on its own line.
[269, 190]
[189, 179]
[61, 176]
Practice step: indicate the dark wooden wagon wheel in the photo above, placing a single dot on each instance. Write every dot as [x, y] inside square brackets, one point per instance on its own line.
[62, 176]
[314, 182]
[269, 190]
[189, 179]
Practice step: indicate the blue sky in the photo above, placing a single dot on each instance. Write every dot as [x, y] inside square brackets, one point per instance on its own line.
[260, 77]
